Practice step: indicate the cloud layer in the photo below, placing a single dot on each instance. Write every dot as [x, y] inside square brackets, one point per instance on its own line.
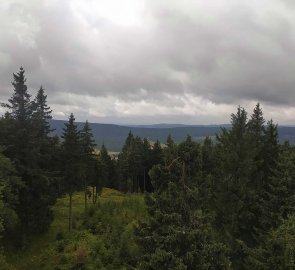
[137, 61]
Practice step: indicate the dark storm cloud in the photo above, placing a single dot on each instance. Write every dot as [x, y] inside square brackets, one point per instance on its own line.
[220, 52]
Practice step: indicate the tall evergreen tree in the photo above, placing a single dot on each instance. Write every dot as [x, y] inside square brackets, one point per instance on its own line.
[21, 133]
[176, 235]
[72, 161]
[270, 149]
[146, 164]
[189, 153]
[22, 146]
[130, 162]
[88, 161]
[157, 153]
[20, 105]
[236, 204]
[108, 168]
[170, 151]
[10, 185]
[42, 113]
[256, 126]
[208, 157]
[208, 174]
[282, 186]
[256, 131]
[124, 163]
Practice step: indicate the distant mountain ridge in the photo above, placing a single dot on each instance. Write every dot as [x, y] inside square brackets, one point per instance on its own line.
[113, 136]
[164, 125]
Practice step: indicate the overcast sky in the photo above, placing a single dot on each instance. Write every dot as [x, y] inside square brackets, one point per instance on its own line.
[153, 61]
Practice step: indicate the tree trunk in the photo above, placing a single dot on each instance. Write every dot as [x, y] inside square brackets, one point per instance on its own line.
[96, 194]
[93, 196]
[144, 181]
[85, 194]
[70, 212]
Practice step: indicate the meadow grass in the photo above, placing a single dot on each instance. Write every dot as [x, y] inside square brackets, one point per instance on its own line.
[113, 204]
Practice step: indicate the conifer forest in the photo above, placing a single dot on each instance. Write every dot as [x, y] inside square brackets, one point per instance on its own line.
[224, 203]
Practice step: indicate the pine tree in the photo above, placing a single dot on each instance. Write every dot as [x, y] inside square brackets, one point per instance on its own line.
[256, 126]
[131, 163]
[42, 113]
[88, 161]
[136, 159]
[170, 151]
[72, 161]
[256, 131]
[208, 174]
[20, 103]
[10, 185]
[236, 205]
[146, 163]
[108, 170]
[282, 189]
[208, 157]
[176, 235]
[124, 163]
[21, 132]
[44, 142]
[157, 153]
[270, 149]
[22, 146]
[189, 153]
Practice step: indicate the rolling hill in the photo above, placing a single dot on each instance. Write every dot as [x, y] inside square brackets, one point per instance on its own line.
[113, 136]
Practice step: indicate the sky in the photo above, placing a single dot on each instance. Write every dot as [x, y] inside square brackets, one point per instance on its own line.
[152, 61]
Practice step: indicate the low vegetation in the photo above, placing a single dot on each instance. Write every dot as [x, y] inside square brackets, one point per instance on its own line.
[102, 238]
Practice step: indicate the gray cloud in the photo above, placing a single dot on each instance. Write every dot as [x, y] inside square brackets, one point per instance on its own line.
[176, 59]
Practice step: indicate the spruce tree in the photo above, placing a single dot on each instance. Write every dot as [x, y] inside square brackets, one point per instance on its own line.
[236, 205]
[47, 145]
[208, 174]
[71, 148]
[282, 189]
[146, 164]
[10, 185]
[88, 161]
[170, 151]
[176, 235]
[157, 153]
[131, 163]
[23, 147]
[42, 113]
[256, 126]
[208, 157]
[21, 133]
[124, 163]
[20, 105]
[189, 153]
[108, 170]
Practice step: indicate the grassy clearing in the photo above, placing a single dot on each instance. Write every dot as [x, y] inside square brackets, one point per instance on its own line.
[113, 208]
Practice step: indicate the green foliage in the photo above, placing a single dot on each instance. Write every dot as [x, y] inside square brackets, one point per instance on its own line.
[280, 253]
[245, 191]
[224, 204]
[41, 113]
[9, 186]
[71, 155]
[108, 173]
[26, 143]
[135, 161]
[177, 235]
[104, 240]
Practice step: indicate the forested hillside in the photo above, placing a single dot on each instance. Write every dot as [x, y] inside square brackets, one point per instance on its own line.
[223, 203]
[113, 136]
